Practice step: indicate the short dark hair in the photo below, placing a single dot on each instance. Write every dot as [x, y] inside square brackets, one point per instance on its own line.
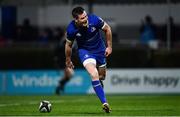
[77, 11]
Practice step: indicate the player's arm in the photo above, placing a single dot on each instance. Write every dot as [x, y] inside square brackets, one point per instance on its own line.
[68, 52]
[107, 29]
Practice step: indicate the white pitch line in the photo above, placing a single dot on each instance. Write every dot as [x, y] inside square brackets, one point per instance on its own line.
[15, 104]
[35, 102]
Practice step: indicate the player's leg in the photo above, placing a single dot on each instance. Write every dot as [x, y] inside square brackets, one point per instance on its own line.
[61, 85]
[89, 62]
[102, 76]
[90, 65]
[92, 70]
[67, 76]
[102, 73]
[101, 65]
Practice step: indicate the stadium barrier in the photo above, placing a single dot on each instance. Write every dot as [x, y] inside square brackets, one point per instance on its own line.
[42, 82]
[1, 83]
[143, 81]
[43, 58]
[118, 81]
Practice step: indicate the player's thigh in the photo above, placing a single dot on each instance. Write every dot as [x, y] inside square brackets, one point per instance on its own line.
[84, 55]
[102, 72]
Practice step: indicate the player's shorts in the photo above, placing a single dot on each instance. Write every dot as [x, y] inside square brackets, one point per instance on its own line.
[98, 59]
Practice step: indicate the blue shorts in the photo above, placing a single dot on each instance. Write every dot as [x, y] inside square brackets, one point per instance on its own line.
[99, 58]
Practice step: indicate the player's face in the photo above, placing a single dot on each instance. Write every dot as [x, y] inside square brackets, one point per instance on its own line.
[82, 19]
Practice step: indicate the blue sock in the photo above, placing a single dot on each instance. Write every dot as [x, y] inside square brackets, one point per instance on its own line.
[99, 91]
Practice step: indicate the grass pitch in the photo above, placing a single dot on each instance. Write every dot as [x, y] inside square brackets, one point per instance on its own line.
[89, 105]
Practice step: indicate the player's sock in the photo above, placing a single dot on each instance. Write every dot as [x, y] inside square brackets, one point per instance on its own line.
[99, 90]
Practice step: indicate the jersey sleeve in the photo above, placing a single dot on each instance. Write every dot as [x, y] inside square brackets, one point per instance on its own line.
[69, 35]
[99, 22]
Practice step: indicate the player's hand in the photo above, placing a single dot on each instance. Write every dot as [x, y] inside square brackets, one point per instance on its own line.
[69, 64]
[108, 51]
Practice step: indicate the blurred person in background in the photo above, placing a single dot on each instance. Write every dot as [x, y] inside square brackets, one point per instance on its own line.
[19, 34]
[173, 32]
[67, 75]
[59, 58]
[85, 29]
[45, 36]
[148, 32]
[58, 34]
[27, 32]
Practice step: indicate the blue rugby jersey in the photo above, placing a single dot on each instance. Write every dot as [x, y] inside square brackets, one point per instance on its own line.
[88, 38]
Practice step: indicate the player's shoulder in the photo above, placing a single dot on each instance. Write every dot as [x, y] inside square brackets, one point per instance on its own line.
[71, 27]
[94, 18]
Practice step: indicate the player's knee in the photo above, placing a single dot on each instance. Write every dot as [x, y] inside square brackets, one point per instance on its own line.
[68, 73]
[94, 74]
[102, 77]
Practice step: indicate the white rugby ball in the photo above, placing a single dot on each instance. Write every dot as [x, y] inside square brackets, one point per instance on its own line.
[45, 106]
